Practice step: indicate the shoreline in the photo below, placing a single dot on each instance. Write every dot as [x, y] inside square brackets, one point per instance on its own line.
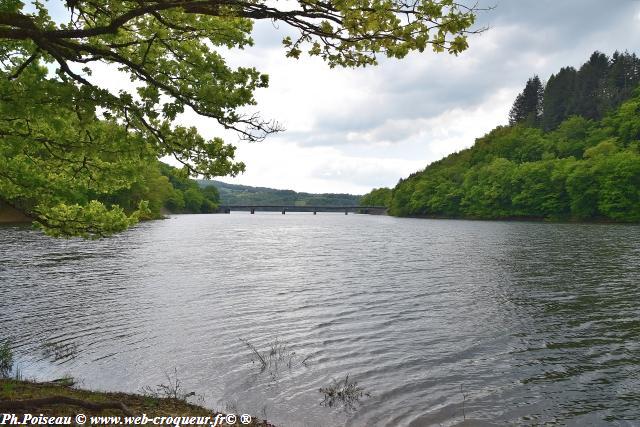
[52, 399]
[536, 220]
[10, 215]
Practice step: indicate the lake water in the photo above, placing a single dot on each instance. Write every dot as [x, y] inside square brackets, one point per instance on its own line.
[495, 323]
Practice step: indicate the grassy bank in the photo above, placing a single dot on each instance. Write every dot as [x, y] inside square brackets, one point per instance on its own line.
[13, 391]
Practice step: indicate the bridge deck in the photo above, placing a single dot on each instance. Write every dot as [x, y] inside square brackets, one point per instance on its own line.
[298, 207]
[294, 208]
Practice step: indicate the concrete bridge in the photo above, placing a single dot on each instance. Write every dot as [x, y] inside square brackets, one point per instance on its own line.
[374, 210]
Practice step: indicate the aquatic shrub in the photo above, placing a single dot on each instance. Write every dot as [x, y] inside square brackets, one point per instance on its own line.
[277, 356]
[343, 392]
[171, 390]
[6, 359]
[59, 351]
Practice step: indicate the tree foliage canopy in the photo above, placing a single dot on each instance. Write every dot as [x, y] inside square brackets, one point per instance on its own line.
[598, 87]
[377, 197]
[68, 140]
[527, 107]
[582, 168]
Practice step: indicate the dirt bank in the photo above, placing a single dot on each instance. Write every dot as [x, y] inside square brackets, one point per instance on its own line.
[52, 400]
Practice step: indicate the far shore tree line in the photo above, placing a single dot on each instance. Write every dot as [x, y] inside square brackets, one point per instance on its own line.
[592, 91]
[165, 189]
[571, 152]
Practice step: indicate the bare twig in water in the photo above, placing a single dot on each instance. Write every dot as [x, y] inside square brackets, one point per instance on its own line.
[276, 356]
[464, 401]
[256, 353]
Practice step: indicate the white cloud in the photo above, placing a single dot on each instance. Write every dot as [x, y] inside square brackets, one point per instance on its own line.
[352, 130]
[282, 164]
[368, 162]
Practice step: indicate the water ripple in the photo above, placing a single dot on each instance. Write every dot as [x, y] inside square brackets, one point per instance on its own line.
[444, 322]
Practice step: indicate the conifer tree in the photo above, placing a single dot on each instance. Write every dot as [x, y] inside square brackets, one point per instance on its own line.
[558, 96]
[527, 109]
[600, 86]
[589, 100]
[622, 78]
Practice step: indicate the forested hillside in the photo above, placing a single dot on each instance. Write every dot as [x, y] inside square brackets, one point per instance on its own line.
[166, 189]
[233, 194]
[377, 197]
[571, 152]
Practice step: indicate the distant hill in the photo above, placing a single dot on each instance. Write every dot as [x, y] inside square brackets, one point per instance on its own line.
[571, 152]
[233, 194]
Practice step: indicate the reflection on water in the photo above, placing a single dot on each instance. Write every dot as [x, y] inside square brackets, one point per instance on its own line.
[440, 321]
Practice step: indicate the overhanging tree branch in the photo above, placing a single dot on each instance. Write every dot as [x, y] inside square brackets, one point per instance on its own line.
[74, 137]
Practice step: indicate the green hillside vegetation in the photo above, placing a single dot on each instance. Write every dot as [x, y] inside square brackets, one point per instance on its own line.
[233, 194]
[571, 152]
[159, 189]
[377, 197]
[165, 189]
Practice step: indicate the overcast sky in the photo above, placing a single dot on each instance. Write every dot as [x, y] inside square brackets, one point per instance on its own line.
[352, 130]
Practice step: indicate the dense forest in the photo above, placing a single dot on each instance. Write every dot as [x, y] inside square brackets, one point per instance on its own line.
[165, 189]
[377, 197]
[233, 194]
[159, 189]
[570, 152]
